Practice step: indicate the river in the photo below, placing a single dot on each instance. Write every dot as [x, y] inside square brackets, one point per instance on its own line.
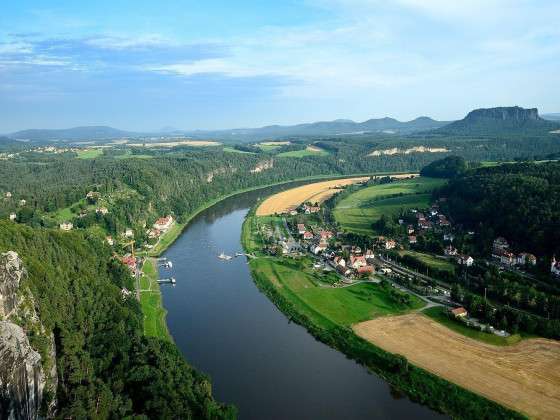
[257, 360]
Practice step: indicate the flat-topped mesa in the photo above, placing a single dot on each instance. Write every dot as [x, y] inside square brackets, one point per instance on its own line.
[512, 113]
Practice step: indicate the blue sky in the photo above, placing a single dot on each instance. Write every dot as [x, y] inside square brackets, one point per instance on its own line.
[144, 65]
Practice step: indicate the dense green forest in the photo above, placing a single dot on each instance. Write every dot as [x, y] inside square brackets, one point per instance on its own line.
[106, 368]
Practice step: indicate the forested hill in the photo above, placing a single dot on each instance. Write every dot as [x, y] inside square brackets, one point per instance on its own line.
[105, 367]
[520, 202]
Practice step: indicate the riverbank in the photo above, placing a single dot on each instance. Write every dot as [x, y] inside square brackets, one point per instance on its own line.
[152, 304]
[293, 298]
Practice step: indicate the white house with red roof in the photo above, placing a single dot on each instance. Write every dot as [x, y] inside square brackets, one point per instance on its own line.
[163, 223]
[301, 228]
[357, 261]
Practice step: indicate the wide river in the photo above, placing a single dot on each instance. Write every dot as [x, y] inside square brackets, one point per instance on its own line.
[265, 365]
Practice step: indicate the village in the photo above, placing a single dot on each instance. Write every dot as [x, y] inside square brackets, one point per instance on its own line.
[303, 232]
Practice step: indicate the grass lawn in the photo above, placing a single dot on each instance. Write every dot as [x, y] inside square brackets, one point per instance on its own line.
[359, 210]
[327, 306]
[309, 151]
[150, 301]
[430, 260]
[89, 153]
[438, 313]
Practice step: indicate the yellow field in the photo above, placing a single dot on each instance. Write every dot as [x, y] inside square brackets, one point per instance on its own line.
[274, 143]
[290, 199]
[524, 376]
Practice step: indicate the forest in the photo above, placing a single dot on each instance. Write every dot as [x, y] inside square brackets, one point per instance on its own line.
[106, 368]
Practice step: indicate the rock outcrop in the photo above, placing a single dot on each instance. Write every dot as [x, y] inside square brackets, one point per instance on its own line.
[22, 380]
[22, 376]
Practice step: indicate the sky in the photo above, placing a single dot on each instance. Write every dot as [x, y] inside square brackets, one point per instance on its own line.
[149, 65]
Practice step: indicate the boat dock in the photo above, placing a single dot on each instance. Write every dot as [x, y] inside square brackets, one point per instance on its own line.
[170, 280]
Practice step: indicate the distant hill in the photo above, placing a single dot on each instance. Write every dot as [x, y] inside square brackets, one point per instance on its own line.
[501, 120]
[75, 134]
[323, 128]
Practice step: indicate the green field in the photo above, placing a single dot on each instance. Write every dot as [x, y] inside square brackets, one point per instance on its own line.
[430, 260]
[304, 152]
[233, 150]
[150, 300]
[327, 306]
[438, 313]
[359, 210]
[89, 153]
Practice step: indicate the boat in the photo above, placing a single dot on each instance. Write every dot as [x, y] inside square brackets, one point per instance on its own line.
[225, 257]
[239, 254]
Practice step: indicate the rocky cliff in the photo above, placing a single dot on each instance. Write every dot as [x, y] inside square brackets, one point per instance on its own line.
[23, 380]
[500, 121]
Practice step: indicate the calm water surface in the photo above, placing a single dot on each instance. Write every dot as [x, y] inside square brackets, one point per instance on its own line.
[257, 360]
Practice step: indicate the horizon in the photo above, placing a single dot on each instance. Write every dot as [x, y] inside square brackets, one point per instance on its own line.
[140, 66]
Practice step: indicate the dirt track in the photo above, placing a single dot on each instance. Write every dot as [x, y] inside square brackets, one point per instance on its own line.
[524, 376]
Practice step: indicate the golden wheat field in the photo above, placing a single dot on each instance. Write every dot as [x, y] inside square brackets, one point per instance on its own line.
[292, 198]
[524, 376]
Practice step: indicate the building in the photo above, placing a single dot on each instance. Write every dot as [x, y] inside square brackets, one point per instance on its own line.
[412, 239]
[129, 233]
[357, 261]
[154, 233]
[66, 226]
[459, 312]
[110, 240]
[526, 259]
[8, 194]
[22, 202]
[448, 237]
[466, 260]
[102, 210]
[307, 235]
[301, 228]
[366, 269]
[130, 262]
[504, 256]
[555, 266]
[369, 255]
[325, 234]
[163, 223]
[13, 217]
[500, 244]
[339, 261]
[450, 251]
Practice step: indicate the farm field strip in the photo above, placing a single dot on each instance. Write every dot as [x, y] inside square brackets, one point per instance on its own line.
[290, 199]
[524, 376]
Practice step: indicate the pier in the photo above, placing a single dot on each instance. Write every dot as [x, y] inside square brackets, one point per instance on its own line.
[170, 280]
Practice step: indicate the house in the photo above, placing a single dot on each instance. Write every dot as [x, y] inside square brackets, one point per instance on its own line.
[8, 194]
[22, 202]
[356, 250]
[526, 259]
[357, 261]
[130, 262]
[307, 235]
[325, 234]
[459, 312]
[420, 216]
[366, 269]
[317, 248]
[369, 255]
[92, 195]
[301, 228]
[340, 261]
[129, 233]
[424, 224]
[293, 212]
[110, 240]
[410, 229]
[13, 216]
[504, 256]
[412, 239]
[154, 233]
[500, 244]
[66, 226]
[390, 244]
[163, 223]
[450, 251]
[442, 220]
[102, 210]
[466, 260]
[555, 266]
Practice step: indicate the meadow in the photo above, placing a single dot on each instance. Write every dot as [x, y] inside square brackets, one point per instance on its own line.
[357, 212]
[308, 151]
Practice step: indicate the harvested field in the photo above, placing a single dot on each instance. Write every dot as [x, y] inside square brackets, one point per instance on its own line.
[290, 199]
[524, 376]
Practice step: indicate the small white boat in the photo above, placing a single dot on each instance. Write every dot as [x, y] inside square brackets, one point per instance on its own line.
[223, 256]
